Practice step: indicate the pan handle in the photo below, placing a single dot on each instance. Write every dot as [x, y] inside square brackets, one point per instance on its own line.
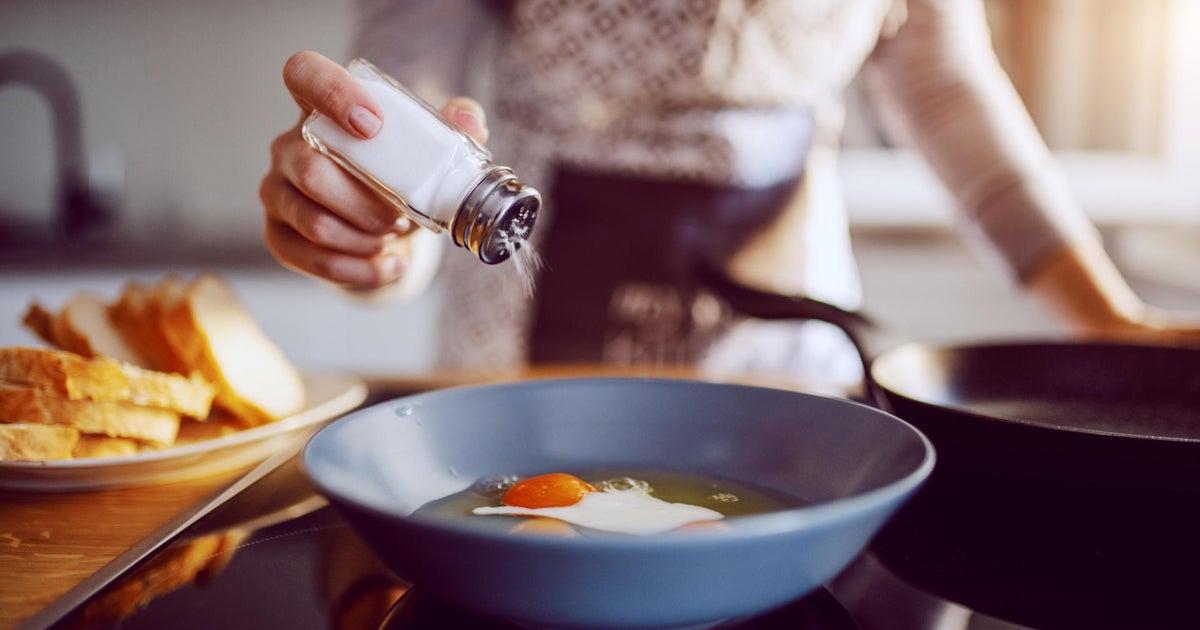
[868, 338]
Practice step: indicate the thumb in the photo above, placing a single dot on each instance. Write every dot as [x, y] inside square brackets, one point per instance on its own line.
[468, 114]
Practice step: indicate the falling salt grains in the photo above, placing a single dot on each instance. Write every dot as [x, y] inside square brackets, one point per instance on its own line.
[525, 258]
[433, 172]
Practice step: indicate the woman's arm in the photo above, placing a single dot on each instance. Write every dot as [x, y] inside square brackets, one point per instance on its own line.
[1082, 285]
[940, 78]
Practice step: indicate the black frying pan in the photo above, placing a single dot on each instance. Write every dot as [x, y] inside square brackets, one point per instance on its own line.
[1067, 491]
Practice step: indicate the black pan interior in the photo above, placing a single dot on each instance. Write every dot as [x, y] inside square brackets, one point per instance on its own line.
[1112, 389]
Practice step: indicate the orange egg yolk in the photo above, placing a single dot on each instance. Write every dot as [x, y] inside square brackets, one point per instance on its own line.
[549, 490]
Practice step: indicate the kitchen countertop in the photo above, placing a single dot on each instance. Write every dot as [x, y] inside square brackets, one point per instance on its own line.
[71, 544]
[56, 541]
[68, 544]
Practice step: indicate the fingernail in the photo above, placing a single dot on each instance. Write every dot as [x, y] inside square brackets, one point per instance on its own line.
[468, 120]
[364, 121]
[401, 226]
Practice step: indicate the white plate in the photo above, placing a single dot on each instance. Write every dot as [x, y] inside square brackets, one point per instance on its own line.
[329, 395]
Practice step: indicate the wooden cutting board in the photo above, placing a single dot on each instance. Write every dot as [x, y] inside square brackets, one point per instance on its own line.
[51, 542]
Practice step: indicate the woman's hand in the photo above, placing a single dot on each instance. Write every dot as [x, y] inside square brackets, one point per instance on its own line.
[1083, 286]
[319, 219]
[1157, 325]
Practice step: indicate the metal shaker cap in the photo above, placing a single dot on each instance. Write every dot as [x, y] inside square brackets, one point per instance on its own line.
[497, 216]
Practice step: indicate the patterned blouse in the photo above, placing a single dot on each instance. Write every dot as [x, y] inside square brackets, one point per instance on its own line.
[729, 93]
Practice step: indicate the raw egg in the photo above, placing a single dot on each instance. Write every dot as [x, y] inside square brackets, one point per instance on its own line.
[625, 509]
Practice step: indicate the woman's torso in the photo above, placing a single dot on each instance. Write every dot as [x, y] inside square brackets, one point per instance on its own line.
[730, 95]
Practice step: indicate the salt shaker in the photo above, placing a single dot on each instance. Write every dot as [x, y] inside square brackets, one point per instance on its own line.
[431, 170]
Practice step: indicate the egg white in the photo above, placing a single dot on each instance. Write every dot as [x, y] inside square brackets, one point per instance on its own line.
[618, 511]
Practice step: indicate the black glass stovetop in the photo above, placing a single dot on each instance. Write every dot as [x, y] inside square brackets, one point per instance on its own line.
[277, 556]
[290, 561]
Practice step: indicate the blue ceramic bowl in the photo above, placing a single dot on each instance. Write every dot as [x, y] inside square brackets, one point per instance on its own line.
[853, 464]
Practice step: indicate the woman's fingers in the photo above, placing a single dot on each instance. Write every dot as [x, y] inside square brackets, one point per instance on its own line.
[301, 254]
[318, 83]
[1169, 326]
[320, 220]
[330, 187]
[468, 114]
[317, 223]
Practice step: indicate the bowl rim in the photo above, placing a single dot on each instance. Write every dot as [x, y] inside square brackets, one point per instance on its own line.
[778, 522]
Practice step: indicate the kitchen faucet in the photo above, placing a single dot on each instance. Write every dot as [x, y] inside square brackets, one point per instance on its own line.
[78, 210]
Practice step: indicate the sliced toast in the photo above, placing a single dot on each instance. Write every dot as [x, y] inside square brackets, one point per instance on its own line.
[166, 363]
[33, 442]
[210, 330]
[41, 323]
[103, 379]
[84, 327]
[22, 404]
[137, 316]
[104, 446]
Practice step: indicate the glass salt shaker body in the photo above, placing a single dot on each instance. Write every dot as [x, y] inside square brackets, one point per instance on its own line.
[431, 170]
